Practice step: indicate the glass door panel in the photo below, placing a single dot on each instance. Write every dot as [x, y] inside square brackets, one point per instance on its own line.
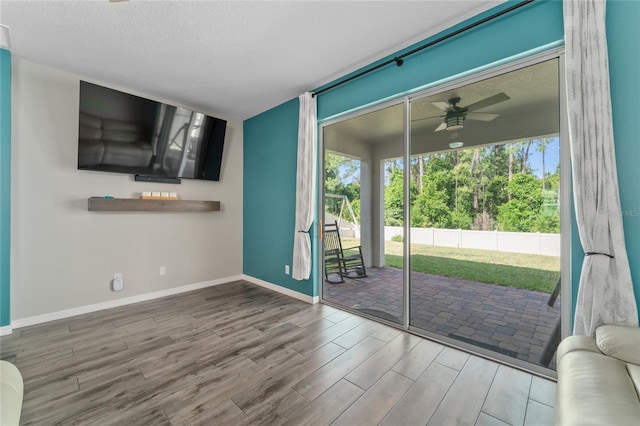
[485, 213]
[363, 214]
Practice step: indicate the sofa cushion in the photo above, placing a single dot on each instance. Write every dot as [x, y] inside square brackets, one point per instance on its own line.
[90, 121]
[123, 126]
[89, 133]
[619, 342]
[118, 136]
[136, 154]
[11, 390]
[576, 343]
[594, 389]
[90, 152]
[121, 131]
[90, 127]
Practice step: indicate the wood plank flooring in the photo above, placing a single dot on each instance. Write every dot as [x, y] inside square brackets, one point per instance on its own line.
[238, 354]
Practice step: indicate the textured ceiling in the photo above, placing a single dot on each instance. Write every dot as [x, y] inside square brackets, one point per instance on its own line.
[234, 59]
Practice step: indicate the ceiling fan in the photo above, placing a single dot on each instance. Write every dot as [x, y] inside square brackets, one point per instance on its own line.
[455, 114]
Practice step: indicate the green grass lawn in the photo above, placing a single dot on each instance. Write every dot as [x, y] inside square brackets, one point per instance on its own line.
[526, 271]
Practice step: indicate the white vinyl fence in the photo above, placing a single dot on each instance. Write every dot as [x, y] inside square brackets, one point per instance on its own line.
[511, 242]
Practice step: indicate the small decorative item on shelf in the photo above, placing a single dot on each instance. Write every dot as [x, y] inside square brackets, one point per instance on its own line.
[159, 196]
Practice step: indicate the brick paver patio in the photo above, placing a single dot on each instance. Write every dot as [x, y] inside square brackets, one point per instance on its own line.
[508, 320]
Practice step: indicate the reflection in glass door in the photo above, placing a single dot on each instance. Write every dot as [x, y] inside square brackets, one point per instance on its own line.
[485, 213]
[363, 191]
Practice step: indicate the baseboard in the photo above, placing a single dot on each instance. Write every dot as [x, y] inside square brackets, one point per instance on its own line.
[282, 290]
[53, 316]
[39, 319]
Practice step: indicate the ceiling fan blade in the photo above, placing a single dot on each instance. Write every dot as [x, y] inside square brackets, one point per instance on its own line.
[482, 116]
[442, 126]
[445, 106]
[428, 118]
[492, 100]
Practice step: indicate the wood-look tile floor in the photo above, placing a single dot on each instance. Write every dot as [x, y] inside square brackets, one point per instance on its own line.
[239, 354]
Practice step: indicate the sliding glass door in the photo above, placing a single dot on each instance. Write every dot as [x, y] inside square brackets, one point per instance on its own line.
[363, 191]
[485, 213]
[454, 198]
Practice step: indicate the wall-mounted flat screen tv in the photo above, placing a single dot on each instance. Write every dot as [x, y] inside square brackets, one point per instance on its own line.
[123, 133]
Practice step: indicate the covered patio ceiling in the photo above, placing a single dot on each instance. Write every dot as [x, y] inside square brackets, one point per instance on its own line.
[531, 112]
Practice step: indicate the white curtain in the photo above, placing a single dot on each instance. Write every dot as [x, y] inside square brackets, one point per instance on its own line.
[605, 294]
[305, 186]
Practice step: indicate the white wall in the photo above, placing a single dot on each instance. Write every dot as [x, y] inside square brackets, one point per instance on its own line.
[63, 256]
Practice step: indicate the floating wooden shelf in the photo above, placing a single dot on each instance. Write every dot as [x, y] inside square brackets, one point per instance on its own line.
[101, 204]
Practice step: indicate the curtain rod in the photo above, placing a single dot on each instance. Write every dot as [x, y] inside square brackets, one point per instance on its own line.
[399, 60]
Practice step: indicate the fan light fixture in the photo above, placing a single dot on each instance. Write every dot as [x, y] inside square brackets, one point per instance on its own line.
[454, 145]
[454, 122]
[456, 115]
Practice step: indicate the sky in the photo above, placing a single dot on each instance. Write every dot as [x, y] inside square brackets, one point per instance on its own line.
[551, 157]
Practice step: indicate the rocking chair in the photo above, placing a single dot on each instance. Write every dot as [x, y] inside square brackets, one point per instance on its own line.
[345, 262]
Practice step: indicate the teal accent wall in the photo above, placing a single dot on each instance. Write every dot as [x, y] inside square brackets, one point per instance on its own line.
[269, 203]
[623, 37]
[5, 187]
[524, 30]
[270, 139]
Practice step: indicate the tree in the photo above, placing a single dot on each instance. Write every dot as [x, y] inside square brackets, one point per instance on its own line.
[489, 185]
[553, 182]
[475, 174]
[394, 198]
[471, 189]
[355, 205]
[464, 188]
[524, 155]
[549, 217]
[541, 147]
[342, 177]
[432, 207]
[497, 194]
[511, 160]
[520, 214]
[420, 172]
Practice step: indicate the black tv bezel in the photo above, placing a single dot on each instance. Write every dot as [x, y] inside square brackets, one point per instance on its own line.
[213, 151]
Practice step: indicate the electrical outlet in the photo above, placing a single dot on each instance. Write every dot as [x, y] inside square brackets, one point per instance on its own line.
[163, 270]
[286, 269]
[117, 284]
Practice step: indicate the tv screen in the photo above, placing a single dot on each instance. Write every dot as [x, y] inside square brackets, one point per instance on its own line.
[122, 133]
